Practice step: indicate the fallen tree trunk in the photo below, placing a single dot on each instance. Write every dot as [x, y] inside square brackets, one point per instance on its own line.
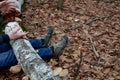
[32, 64]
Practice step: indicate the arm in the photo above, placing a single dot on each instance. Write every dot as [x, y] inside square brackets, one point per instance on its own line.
[7, 4]
[4, 38]
[15, 34]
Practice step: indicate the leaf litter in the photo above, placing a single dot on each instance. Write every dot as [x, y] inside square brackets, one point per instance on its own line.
[92, 15]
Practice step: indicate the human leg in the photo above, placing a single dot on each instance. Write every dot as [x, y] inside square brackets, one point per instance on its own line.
[44, 40]
[36, 43]
[8, 58]
[59, 46]
[45, 52]
[55, 50]
[5, 47]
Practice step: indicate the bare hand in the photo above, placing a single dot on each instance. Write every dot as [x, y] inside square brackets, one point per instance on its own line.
[7, 4]
[17, 34]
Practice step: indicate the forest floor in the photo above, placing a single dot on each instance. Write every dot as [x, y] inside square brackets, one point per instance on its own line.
[93, 28]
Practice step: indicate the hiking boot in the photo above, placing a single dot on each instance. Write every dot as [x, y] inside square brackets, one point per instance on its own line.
[59, 46]
[46, 38]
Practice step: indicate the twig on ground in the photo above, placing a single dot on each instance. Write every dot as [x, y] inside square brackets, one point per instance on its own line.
[109, 1]
[91, 21]
[92, 44]
[93, 48]
[78, 66]
[112, 1]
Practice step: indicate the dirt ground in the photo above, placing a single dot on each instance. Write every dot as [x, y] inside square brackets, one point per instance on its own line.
[93, 28]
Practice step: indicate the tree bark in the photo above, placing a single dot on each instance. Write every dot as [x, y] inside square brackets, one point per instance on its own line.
[32, 64]
[60, 4]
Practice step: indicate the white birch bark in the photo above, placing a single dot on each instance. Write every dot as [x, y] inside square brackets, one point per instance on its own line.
[32, 64]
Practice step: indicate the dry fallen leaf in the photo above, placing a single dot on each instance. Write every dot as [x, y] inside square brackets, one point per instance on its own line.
[57, 71]
[25, 78]
[65, 59]
[75, 56]
[15, 69]
[85, 67]
[52, 62]
[106, 70]
[63, 73]
[18, 19]
[82, 14]
[66, 65]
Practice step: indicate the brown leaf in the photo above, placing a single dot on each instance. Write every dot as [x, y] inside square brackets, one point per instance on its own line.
[63, 73]
[25, 78]
[15, 69]
[64, 58]
[106, 70]
[57, 71]
[85, 67]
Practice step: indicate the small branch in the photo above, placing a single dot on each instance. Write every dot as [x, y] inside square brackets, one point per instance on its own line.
[96, 19]
[112, 1]
[92, 44]
[109, 1]
[78, 66]
[93, 20]
[93, 48]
